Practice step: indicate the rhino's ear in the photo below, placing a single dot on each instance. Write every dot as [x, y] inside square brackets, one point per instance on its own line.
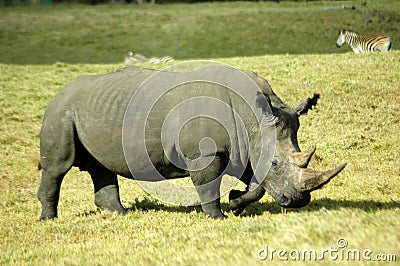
[303, 107]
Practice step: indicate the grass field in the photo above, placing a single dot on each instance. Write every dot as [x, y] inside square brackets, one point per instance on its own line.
[356, 121]
[103, 34]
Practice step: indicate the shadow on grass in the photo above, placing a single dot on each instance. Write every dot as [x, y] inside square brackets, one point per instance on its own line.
[258, 208]
[148, 204]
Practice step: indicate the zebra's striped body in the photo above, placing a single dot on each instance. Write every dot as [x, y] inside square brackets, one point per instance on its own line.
[363, 44]
[133, 57]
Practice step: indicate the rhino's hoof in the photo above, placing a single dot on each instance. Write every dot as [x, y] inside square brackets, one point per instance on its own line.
[235, 207]
[238, 211]
[235, 202]
[217, 216]
[122, 212]
[48, 214]
[45, 218]
[108, 198]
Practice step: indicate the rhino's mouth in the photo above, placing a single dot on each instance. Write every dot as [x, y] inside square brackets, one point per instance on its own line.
[297, 201]
[284, 201]
[295, 192]
[289, 197]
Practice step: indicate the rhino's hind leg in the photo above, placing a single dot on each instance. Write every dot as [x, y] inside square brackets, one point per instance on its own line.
[49, 193]
[106, 189]
[207, 182]
[57, 155]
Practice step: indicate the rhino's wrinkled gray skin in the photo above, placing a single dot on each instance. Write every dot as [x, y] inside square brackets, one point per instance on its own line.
[83, 124]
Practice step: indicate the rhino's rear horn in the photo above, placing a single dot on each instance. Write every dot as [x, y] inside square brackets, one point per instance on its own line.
[310, 180]
[301, 159]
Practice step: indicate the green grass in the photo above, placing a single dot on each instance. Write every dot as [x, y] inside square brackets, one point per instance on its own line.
[356, 121]
[103, 34]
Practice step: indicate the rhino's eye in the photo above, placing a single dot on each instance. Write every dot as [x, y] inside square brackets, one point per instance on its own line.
[274, 163]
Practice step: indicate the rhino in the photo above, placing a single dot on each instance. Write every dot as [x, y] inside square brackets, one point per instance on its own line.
[85, 123]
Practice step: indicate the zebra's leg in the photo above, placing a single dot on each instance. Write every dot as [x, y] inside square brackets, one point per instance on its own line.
[356, 50]
[389, 46]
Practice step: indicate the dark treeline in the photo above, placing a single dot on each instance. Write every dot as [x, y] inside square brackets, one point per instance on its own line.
[93, 2]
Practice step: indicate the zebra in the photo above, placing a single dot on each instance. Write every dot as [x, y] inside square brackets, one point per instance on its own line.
[133, 57]
[363, 44]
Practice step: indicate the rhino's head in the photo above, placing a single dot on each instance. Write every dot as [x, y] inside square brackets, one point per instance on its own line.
[289, 181]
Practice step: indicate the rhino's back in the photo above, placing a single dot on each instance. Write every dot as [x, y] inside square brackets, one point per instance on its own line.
[97, 104]
[104, 95]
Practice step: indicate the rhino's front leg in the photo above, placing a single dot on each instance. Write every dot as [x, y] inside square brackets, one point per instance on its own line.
[239, 200]
[207, 182]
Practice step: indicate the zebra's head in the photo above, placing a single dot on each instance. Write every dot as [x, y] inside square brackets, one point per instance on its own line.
[342, 38]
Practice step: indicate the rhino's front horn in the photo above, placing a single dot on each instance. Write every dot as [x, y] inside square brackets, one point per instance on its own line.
[301, 159]
[310, 180]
